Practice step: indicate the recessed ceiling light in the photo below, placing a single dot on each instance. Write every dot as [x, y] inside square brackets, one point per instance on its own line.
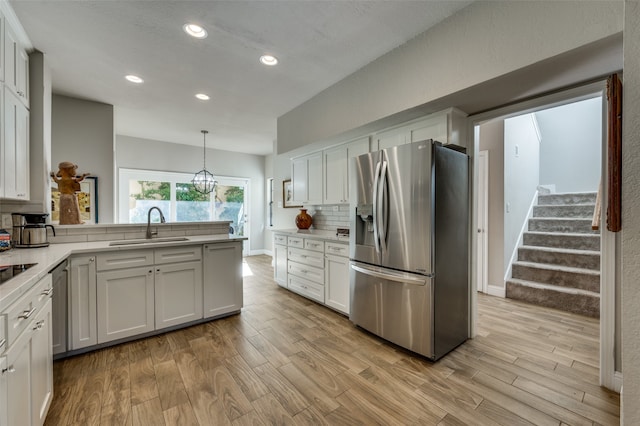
[202, 97]
[195, 30]
[269, 60]
[134, 78]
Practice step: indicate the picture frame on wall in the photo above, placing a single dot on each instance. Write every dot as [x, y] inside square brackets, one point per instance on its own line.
[87, 200]
[287, 194]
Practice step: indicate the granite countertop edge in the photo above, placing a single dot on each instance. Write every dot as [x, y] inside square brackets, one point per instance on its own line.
[47, 258]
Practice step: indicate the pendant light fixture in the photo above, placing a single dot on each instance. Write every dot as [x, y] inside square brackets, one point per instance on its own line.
[203, 181]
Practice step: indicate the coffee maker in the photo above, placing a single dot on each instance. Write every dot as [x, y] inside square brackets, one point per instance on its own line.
[30, 230]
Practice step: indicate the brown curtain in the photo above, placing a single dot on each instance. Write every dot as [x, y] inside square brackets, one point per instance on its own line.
[614, 152]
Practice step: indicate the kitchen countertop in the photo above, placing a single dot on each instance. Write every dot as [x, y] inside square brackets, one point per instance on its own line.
[313, 233]
[48, 258]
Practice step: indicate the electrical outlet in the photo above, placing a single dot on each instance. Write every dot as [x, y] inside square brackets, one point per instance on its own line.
[279, 204]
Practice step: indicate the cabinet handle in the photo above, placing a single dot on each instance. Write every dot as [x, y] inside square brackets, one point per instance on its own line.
[9, 369]
[2, 342]
[91, 259]
[26, 314]
[47, 292]
[39, 325]
[151, 271]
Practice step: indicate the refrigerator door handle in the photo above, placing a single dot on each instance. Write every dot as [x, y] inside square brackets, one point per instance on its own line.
[376, 236]
[383, 199]
[400, 277]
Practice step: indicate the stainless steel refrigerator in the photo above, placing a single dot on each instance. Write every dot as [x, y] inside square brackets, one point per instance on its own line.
[409, 244]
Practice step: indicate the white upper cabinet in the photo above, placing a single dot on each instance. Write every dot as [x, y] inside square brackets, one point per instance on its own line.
[14, 182]
[390, 138]
[16, 66]
[336, 170]
[448, 126]
[306, 175]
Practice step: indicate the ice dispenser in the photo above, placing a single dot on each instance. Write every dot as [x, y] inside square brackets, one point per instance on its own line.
[364, 225]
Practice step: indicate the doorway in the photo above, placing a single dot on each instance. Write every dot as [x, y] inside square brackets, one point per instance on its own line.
[231, 202]
[596, 93]
[483, 221]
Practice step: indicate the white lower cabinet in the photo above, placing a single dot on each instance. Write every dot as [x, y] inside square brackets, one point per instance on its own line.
[336, 284]
[222, 288]
[83, 331]
[125, 303]
[18, 376]
[314, 268]
[178, 293]
[26, 373]
[41, 365]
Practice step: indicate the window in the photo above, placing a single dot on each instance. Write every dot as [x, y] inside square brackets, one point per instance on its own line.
[173, 193]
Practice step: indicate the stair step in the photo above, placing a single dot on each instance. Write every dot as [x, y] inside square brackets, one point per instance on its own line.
[567, 198]
[564, 210]
[565, 240]
[544, 224]
[580, 302]
[585, 259]
[562, 276]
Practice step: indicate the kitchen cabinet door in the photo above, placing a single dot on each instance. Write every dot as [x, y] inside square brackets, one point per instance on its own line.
[59, 313]
[18, 380]
[336, 283]
[15, 160]
[16, 66]
[178, 293]
[125, 303]
[83, 329]
[391, 138]
[306, 176]
[335, 175]
[222, 278]
[41, 365]
[280, 264]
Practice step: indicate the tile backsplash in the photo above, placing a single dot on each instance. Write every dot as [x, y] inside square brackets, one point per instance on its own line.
[330, 217]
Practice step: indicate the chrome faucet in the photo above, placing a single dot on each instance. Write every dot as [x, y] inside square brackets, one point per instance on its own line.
[150, 234]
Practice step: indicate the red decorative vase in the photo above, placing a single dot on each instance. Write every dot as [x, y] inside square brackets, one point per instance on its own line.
[303, 219]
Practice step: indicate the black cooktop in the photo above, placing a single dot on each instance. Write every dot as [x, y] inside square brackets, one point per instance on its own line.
[9, 271]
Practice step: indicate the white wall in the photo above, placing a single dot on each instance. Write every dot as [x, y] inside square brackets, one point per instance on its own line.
[630, 216]
[137, 153]
[492, 140]
[82, 132]
[484, 41]
[521, 171]
[571, 146]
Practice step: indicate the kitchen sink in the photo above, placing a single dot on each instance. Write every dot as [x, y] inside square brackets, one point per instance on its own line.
[147, 241]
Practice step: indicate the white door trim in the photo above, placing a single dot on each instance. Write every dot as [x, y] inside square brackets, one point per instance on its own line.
[483, 221]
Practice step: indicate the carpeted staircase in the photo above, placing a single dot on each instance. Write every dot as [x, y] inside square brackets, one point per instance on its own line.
[558, 265]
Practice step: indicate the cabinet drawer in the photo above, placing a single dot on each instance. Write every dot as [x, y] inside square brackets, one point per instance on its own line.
[305, 271]
[124, 259]
[306, 257]
[295, 242]
[280, 239]
[24, 310]
[314, 245]
[306, 288]
[177, 254]
[336, 249]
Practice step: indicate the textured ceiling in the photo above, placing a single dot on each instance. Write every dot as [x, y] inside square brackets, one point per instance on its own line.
[91, 45]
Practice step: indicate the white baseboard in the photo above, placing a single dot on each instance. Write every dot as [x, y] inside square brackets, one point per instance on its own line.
[494, 290]
[617, 382]
[259, 252]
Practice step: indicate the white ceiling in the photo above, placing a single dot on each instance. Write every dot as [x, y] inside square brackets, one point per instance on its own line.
[91, 45]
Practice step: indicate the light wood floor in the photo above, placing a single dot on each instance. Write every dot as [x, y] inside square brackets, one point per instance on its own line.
[286, 360]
